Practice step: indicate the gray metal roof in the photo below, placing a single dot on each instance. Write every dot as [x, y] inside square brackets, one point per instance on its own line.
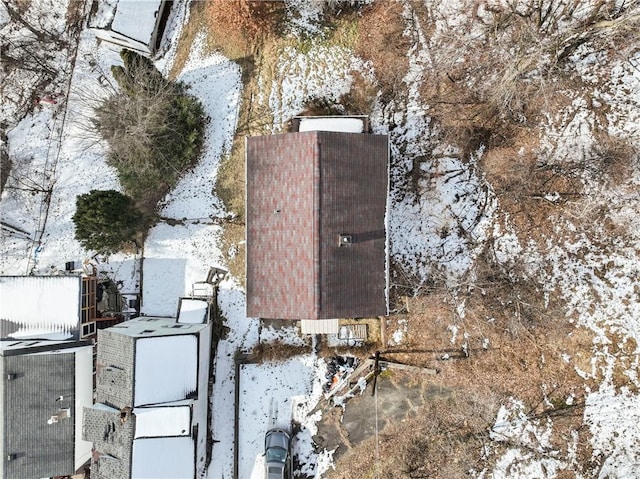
[31, 385]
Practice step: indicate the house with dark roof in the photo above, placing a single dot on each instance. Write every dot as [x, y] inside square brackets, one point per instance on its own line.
[316, 237]
[44, 388]
[150, 416]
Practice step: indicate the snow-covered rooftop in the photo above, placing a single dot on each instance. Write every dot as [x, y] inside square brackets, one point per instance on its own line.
[137, 18]
[151, 327]
[192, 311]
[166, 369]
[36, 306]
[345, 125]
[28, 346]
[162, 421]
[163, 458]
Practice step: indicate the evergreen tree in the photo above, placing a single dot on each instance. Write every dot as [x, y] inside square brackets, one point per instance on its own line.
[104, 220]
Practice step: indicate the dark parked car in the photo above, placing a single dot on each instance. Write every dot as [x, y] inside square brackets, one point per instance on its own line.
[277, 452]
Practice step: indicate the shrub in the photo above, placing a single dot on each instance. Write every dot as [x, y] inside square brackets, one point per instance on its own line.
[104, 220]
[250, 17]
[153, 128]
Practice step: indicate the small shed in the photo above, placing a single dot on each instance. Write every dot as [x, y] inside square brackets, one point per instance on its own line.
[137, 25]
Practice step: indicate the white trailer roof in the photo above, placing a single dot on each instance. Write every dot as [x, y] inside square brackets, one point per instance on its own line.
[166, 369]
[162, 421]
[163, 458]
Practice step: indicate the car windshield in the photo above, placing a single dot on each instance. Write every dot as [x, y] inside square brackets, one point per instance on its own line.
[276, 454]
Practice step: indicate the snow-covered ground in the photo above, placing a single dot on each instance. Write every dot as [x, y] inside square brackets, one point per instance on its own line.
[597, 285]
[56, 157]
[58, 154]
[290, 390]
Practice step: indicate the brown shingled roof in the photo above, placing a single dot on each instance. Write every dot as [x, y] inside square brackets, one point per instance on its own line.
[304, 190]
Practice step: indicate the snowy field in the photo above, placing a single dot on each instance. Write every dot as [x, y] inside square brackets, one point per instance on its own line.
[56, 158]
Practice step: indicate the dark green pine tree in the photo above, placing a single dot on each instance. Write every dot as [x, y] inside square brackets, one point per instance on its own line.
[104, 220]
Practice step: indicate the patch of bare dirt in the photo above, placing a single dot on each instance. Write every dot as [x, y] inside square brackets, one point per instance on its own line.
[381, 41]
[484, 357]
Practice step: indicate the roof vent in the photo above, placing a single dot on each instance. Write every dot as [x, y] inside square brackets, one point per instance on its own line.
[12, 457]
[11, 376]
[345, 240]
[62, 414]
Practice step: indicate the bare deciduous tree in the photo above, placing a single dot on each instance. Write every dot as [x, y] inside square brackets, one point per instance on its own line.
[152, 126]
